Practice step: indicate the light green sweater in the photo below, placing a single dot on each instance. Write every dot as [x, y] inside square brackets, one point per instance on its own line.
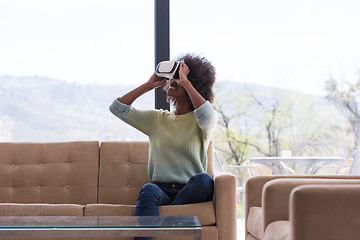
[178, 143]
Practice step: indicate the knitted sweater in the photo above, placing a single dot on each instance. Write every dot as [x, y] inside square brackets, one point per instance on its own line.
[178, 143]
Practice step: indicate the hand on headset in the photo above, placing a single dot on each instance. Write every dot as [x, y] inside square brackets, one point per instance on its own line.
[155, 81]
[183, 72]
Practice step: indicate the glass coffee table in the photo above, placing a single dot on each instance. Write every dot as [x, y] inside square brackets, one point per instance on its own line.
[99, 226]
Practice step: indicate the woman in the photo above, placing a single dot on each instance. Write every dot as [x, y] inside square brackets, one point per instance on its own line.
[178, 139]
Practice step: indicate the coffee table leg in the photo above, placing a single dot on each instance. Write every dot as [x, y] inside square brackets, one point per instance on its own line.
[198, 235]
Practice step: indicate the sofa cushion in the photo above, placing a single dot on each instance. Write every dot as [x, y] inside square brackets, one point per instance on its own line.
[254, 223]
[17, 209]
[205, 211]
[123, 171]
[63, 173]
[278, 230]
[109, 210]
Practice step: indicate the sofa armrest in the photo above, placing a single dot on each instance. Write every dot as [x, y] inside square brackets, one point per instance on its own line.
[254, 187]
[325, 212]
[276, 195]
[225, 205]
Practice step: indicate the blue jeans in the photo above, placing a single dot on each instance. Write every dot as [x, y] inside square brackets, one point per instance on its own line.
[200, 188]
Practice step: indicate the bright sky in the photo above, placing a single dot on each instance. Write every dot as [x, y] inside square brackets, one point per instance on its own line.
[295, 44]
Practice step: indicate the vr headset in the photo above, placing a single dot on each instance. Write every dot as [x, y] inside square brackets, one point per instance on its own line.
[168, 69]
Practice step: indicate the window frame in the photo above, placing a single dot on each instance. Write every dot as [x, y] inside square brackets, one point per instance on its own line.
[162, 45]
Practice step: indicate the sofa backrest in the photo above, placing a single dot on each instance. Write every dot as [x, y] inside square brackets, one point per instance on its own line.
[123, 170]
[49, 172]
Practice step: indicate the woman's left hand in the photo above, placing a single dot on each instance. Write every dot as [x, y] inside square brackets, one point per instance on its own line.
[183, 72]
[196, 99]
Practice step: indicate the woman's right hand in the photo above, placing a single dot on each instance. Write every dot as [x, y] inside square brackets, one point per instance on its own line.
[155, 81]
[131, 96]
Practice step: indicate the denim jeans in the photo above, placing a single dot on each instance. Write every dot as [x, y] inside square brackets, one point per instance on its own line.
[200, 188]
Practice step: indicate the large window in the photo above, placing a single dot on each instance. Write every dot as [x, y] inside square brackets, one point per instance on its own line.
[273, 61]
[63, 62]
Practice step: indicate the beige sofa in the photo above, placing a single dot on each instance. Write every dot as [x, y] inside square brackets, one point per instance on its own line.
[94, 179]
[303, 207]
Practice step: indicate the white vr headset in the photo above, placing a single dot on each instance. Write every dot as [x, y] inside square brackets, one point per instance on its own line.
[168, 69]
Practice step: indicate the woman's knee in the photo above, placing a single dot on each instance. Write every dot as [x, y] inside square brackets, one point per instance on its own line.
[152, 193]
[203, 179]
[149, 189]
[200, 188]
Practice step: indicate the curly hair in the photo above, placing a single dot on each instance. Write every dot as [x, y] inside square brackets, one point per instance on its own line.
[201, 75]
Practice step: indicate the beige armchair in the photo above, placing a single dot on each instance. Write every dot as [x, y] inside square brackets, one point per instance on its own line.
[326, 212]
[302, 207]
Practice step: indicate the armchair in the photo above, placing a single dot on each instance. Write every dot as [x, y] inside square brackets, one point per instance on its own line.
[351, 165]
[325, 212]
[277, 207]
